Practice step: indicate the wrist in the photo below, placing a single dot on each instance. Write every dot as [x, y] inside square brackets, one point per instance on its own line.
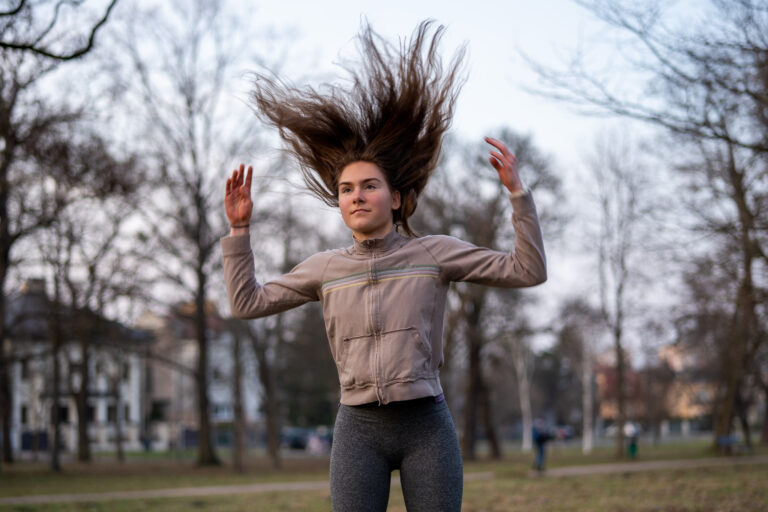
[239, 229]
[518, 192]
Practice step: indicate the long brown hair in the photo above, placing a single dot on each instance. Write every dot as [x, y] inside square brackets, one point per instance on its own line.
[393, 113]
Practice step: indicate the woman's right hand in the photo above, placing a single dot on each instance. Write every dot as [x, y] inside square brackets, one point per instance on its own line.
[237, 199]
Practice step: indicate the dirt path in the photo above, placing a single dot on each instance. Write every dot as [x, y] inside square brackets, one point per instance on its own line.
[220, 490]
[651, 465]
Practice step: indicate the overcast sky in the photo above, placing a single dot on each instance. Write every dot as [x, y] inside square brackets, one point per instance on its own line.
[496, 33]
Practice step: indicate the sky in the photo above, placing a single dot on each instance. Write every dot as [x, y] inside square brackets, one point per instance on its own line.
[497, 33]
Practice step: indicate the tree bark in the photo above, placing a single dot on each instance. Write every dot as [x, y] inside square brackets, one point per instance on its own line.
[238, 446]
[269, 392]
[490, 428]
[206, 455]
[81, 399]
[524, 395]
[587, 403]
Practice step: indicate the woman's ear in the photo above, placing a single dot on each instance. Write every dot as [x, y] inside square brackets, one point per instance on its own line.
[395, 199]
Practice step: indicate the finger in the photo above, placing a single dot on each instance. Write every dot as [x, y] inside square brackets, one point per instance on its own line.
[501, 158]
[248, 179]
[240, 175]
[228, 190]
[496, 164]
[499, 145]
[234, 179]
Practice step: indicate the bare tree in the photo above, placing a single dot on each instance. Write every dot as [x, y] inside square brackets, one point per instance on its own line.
[34, 131]
[238, 444]
[476, 209]
[704, 81]
[36, 28]
[183, 58]
[578, 335]
[622, 187]
[87, 261]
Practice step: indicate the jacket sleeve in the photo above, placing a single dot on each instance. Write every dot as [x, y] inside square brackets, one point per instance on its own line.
[249, 299]
[525, 266]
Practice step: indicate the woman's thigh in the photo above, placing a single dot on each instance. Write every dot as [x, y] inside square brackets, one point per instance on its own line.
[360, 473]
[431, 472]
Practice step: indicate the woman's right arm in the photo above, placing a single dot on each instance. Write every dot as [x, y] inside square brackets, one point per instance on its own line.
[248, 298]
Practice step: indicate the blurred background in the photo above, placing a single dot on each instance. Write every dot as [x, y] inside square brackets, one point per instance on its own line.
[641, 127]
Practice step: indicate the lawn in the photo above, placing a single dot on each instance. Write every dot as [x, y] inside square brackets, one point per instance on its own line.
[711, 489]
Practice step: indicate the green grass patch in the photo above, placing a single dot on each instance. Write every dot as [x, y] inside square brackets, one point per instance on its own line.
[717, 489]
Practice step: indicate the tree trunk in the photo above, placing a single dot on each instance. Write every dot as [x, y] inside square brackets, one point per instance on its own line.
[474, 383]
[238, 447]
[733, 361]
[81, 399]
[490, 428]
[524, 396]
[472, 393]
[55, 416]
[621, 417]
[206, 455]
[267, 379]
[587, 404]
[742, 408]
[119, 452]
[6, 393]
[764, 435]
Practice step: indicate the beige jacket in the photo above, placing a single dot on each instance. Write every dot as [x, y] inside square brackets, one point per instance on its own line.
[383, 300]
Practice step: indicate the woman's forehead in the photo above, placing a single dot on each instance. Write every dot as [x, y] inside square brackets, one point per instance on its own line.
[361, 171]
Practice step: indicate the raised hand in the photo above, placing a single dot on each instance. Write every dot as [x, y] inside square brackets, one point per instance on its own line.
[237, 199]
[505, 164]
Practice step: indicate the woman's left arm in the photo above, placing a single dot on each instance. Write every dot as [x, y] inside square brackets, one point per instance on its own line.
[525, 265]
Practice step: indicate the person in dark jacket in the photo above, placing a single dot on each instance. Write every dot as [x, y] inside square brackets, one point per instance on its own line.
[541, 436]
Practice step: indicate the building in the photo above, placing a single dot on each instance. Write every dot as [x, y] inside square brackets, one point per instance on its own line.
[170, 391]
[113, 355]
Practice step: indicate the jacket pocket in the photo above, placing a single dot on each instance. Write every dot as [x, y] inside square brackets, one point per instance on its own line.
[405, 356]
[356, 361]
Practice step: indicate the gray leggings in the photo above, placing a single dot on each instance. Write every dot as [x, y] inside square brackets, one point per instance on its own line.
[416, 436]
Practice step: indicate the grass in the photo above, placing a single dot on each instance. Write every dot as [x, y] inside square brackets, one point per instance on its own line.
[707, 489]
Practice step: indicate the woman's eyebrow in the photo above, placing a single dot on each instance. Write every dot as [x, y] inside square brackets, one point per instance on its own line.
[363, 181]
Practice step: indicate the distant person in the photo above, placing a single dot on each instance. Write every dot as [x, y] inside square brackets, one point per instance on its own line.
[632, 433]
[541, 436]
[369, 148]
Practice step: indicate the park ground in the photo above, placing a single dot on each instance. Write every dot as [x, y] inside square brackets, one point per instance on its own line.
[691, 480]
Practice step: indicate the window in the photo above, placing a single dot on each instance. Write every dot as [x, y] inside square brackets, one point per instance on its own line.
[63, 411]
[111, 414]
[25, 369]
[24, 415]
[90, 413]
[127, 413]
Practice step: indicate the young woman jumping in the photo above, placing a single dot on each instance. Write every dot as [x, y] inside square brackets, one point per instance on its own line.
[369, 148]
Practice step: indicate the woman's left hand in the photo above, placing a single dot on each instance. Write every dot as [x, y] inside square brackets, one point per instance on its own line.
[505, 164]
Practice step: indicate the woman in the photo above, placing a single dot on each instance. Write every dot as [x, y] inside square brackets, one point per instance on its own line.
[369, 149]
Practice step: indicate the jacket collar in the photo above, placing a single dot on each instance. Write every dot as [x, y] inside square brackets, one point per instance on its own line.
[390, 241]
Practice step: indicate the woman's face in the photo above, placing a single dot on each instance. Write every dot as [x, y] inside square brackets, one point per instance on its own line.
[365, 200]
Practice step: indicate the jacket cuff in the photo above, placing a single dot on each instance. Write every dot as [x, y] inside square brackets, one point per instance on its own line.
[522, 200]
[235, 244]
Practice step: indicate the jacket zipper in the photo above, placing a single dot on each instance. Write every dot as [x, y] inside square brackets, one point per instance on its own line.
[375, 326]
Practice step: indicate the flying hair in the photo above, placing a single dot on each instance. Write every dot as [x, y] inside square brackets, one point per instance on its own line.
[393, 112]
